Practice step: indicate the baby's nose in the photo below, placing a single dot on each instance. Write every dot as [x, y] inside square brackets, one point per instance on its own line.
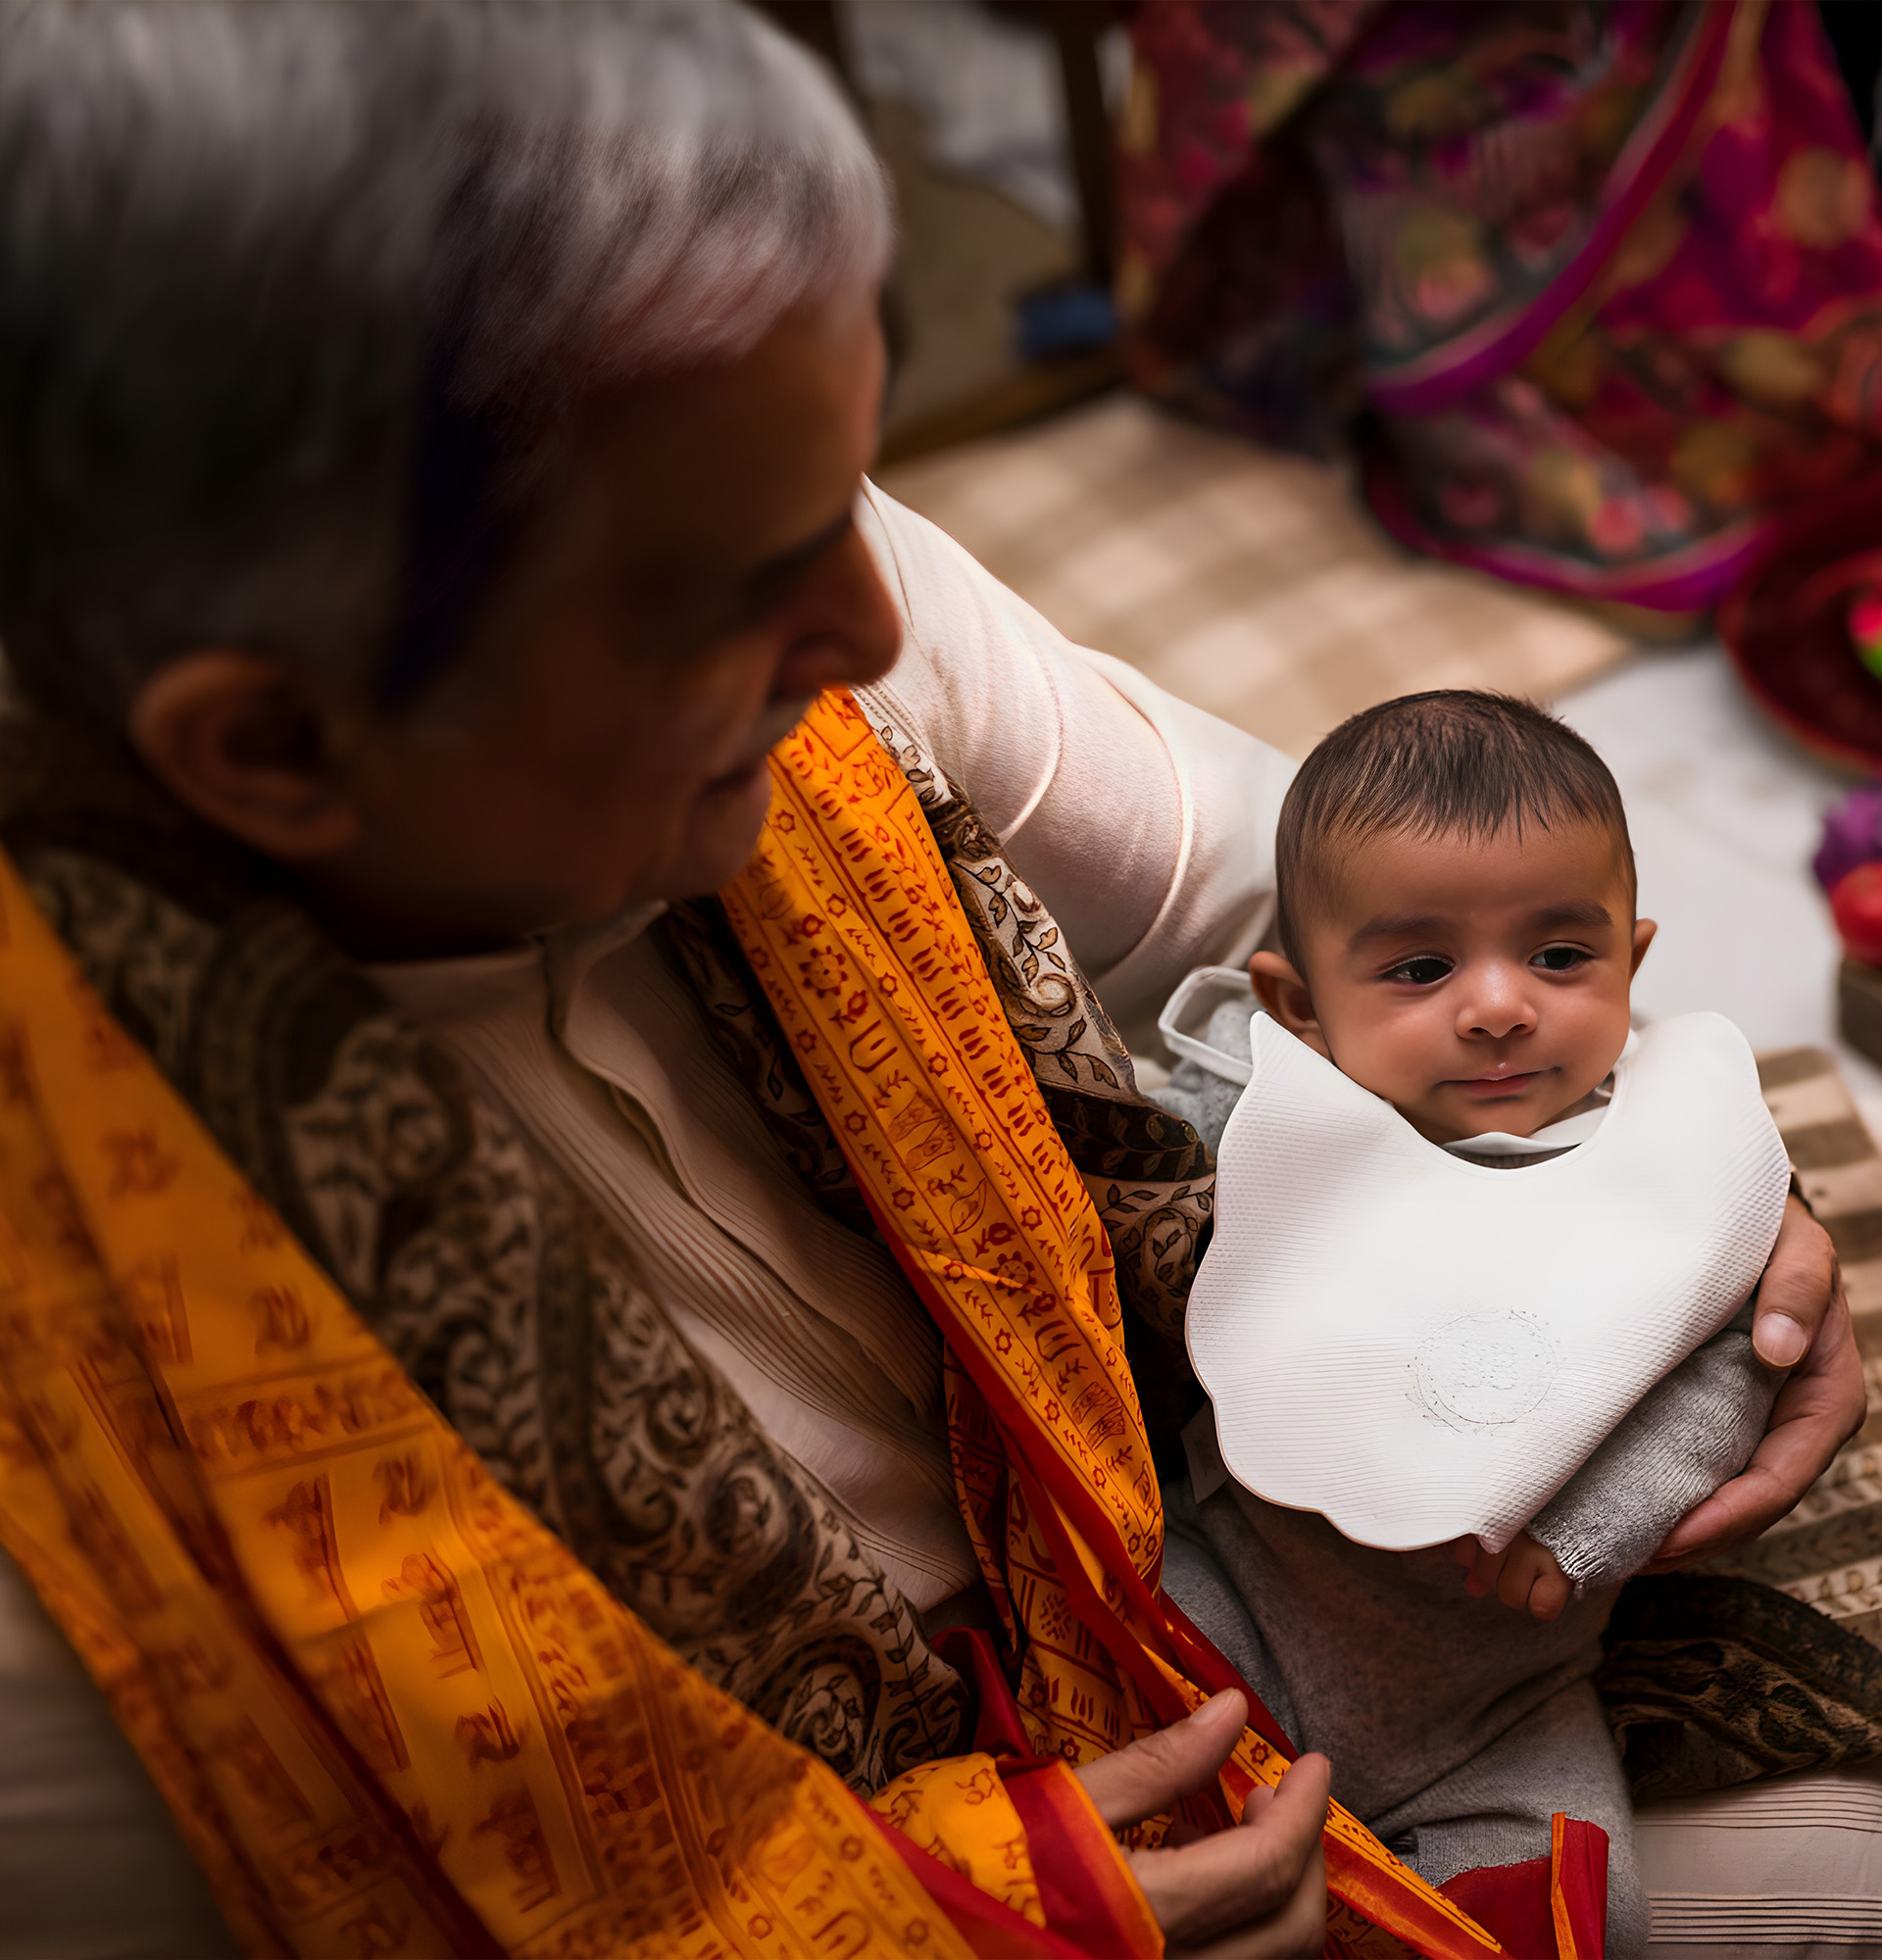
[1498, 1006]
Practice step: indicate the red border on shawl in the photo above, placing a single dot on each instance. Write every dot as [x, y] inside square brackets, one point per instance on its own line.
[1579, 1887]
[994, 1930]
[1086, 1892]
[1552, 1908]
[1373, 1890]
[1516, 1902]
[997, 1727]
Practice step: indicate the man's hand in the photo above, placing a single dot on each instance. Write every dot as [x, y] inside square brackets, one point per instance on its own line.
[1257, 1892]
[1524, 1575]
[1802, 1323]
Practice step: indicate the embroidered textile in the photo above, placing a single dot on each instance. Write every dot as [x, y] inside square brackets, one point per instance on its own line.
[1606, 278]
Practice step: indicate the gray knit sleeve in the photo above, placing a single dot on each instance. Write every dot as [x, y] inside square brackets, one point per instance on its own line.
[1688, 1434]
[1203, 1101]
[1203, 1098]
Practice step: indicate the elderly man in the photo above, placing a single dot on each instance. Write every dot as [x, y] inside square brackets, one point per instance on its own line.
[432, 451]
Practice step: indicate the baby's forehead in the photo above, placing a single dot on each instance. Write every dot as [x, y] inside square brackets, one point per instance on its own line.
[1583, 867]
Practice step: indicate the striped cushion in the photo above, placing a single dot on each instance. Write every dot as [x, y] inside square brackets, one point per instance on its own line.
[1774, 1871]
[1828, 1552]
[1792, 1869]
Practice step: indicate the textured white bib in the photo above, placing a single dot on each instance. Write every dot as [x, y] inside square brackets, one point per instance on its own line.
[1420, 1347]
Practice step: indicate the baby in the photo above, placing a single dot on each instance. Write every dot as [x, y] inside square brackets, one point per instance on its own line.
[1458, 935]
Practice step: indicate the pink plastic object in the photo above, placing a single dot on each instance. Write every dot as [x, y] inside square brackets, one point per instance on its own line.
[1865, 628]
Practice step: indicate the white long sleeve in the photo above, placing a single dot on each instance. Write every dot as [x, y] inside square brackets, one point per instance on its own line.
[1146, 825]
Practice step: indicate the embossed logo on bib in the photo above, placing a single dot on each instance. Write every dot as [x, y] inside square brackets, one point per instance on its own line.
[1483, 1369]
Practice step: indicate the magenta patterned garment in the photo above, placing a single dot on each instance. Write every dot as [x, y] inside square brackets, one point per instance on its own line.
[1599, 284]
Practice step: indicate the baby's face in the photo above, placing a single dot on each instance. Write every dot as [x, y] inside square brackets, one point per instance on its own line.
[1476, 984]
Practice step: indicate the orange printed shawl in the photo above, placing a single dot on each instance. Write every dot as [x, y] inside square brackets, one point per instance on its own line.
[389, 1710]
[849, 923]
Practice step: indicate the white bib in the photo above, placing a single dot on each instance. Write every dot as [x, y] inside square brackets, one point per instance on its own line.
[1420, 1347]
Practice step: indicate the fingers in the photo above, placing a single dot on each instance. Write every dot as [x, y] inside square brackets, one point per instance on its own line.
[1531, 1581]
[1485, 1574]
[1794, 1297]
[1297, 1931]
[1148, 1775]
[1257, 1891]
[1519, 1572]
[1552, 1592]
[1817, 1410]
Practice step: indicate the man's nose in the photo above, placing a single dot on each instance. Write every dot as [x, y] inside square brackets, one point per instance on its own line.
[850, 632]
[1497, 1004]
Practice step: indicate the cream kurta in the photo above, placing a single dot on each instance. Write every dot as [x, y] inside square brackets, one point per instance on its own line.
[1147, 828]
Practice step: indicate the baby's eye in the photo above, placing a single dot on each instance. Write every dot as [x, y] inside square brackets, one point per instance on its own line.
[1562, 958]
[1427, 970]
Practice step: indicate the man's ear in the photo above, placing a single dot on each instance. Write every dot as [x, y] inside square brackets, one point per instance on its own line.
[236, 739]
[1280, 989]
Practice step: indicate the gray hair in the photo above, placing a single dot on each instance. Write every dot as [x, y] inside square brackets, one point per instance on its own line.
[295, 299]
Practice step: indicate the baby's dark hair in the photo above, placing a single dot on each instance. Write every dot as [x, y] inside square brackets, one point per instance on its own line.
[1452, 761]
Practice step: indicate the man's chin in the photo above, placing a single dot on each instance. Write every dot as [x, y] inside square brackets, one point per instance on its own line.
[721, 839]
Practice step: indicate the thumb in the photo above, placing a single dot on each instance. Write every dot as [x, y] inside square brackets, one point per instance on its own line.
[1149, 1775]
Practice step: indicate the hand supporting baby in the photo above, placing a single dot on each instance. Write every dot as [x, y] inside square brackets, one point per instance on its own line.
[1524, 1575]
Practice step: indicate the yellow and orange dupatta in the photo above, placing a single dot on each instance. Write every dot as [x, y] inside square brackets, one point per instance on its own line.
[390, 1711]
[849, 919]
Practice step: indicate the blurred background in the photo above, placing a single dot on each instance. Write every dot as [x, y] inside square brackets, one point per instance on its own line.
[1104, 388]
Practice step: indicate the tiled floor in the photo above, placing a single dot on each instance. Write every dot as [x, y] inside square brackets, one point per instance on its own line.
[1250, 583]
[1725, 816]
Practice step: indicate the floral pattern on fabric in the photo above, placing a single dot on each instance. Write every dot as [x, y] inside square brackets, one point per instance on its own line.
[1607, 278]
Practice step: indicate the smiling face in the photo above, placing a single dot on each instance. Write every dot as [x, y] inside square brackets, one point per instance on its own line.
[1476, 983]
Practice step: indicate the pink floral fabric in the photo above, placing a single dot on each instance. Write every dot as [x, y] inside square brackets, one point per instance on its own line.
[1600, 285]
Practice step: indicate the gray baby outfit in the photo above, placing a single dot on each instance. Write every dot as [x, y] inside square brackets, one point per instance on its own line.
[1457, 1725]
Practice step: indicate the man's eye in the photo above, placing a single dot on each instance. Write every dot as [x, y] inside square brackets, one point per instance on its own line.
[1424, 971]
[1562, 958]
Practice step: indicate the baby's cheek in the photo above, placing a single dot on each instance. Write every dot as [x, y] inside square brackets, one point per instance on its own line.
[1591, 1030]
[1401, 1054]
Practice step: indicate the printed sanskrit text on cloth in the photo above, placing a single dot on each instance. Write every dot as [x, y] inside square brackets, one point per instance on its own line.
[392, 1713]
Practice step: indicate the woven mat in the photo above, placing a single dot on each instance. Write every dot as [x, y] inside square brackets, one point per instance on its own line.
[1251, 583]
[1828, 1552]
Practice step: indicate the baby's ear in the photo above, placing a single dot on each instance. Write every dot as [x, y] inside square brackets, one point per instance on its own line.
[1280, 989]
[1644, 931]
